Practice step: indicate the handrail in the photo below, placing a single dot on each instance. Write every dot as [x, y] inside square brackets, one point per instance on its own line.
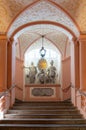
[65, 90]
[19, 87]
[82, 93]
[6, 92]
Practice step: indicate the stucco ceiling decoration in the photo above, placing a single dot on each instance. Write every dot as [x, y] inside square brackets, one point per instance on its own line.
[59, 39]
[9, 9]
[77, 9]
[43, 11]
[26, 40]
[47, 45]
[32, 36]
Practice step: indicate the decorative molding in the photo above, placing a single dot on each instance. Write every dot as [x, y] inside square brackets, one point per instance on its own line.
[82, 37]
[42, 92]
[3, 37]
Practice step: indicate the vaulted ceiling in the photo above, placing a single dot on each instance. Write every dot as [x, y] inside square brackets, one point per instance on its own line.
[9, 9]
[70, 13]
[27, 39]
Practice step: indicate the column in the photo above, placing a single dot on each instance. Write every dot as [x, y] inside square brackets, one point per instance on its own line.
[75, 65]
[83, 62]
[3, 63]
[11, 70]
[11, 63]
[75, 70]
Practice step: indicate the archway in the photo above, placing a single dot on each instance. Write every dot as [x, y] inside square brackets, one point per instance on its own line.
[48, 35]
[70, 30]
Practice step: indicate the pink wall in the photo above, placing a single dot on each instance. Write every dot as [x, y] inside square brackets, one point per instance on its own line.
[19, 73]
[66, 78]
[19, 79]
[19, 93]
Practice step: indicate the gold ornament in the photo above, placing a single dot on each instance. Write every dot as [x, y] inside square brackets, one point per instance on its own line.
[42, 64]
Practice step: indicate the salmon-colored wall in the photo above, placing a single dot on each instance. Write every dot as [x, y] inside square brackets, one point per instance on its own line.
[19, 79]
[18, 93]
[83, 65]
[66, 78]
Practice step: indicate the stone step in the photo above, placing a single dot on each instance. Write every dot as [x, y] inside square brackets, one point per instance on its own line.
[42, 116]
[58, 104]
[42, 104]
[43, 121]
[44, 107]
[42, 127]
[43, 111]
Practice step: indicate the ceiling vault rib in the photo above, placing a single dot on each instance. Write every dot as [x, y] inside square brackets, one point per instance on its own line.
[31, 44]
[19, 48]
[55, 45]
[65, 47]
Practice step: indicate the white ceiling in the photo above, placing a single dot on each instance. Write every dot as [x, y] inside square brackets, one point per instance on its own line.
[32, 39]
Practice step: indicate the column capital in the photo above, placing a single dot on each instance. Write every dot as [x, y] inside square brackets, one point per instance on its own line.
[82, 37]
[3, 37]
[76, 40]
[10, 40]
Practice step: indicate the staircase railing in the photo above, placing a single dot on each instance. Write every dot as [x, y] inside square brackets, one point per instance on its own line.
[19, 92]
[81, 92]
[80, 99]
[7, 100]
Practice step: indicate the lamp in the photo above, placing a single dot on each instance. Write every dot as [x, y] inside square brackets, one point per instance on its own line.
[42, 50]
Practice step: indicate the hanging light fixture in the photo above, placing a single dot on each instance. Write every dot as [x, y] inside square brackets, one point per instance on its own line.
[42, 50]
[42, 63]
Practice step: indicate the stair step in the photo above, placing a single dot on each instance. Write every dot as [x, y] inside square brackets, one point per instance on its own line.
[45, 125]
[46, 107]
[44, 121]
[43, 102]
[42, 116]
[39, 104]
[41, 111]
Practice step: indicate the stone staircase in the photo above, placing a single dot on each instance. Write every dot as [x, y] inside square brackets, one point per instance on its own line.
[43, 116]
